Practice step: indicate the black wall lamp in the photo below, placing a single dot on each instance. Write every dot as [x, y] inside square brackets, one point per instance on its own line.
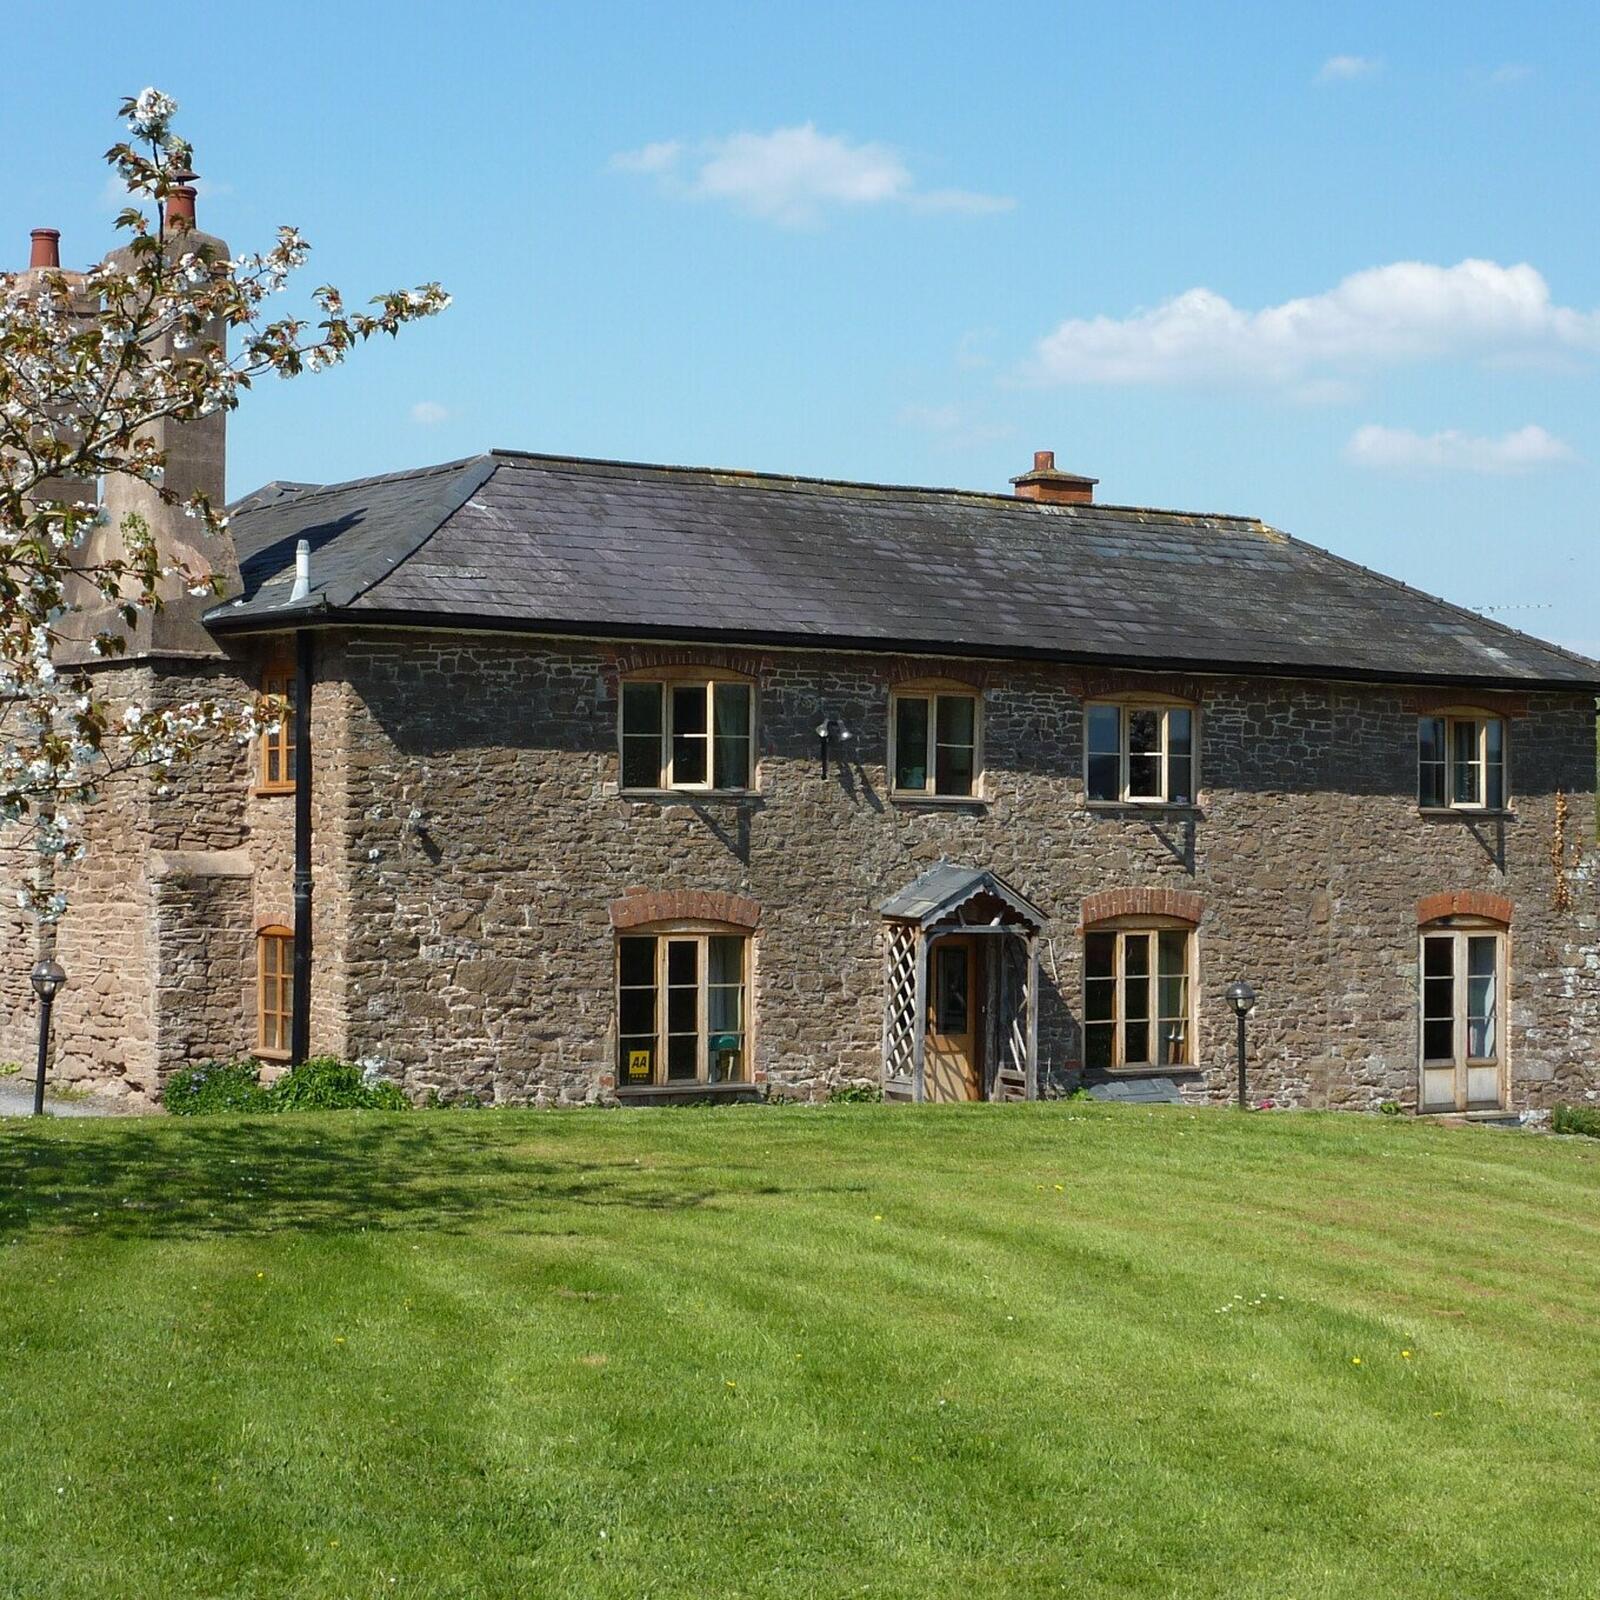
[829, 729]
[1242, 997]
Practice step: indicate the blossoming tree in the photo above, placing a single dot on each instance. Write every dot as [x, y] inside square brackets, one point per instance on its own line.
[88, 364]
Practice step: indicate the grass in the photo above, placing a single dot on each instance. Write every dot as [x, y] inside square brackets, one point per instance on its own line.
[1032, 1350]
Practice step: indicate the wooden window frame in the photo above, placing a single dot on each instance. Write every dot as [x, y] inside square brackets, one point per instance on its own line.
[282, 939]
[1452, 718]
[701, 934]
[1120, 928]
[933, 690]
[667, 680]
[1460, 931]
[278, 678]
[1125, 706]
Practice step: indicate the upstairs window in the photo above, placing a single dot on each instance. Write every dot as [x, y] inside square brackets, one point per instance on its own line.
[1136, 998]
[1461, 763]
[688, 733]
[1139, 754]
[935, 742]
[682, 1011]
[275, 750]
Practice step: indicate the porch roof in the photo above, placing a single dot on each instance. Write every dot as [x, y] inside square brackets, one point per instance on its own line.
[945, 888]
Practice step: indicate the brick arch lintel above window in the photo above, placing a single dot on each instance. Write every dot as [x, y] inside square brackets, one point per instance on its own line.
[1114, 685]
[645, 907]
[1466, 703]
[644, 659]
[907, 672]
[1464, 903]
[1183, 904]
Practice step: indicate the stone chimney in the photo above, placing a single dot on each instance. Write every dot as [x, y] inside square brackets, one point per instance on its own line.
[1055, 488]
[196, 455]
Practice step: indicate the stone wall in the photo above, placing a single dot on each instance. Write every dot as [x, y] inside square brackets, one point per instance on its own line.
[485, 841]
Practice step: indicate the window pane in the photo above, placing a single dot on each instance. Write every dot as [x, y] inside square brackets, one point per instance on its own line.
[641, 708]
[732, 736]
[1099, 954]
[1481, 997]
[1099, 999]
[1494, 776]
[689, 734]
[1172, 998]
[1430, 761]
[950, 989]
[636, 1060]
[954, 771]
[911, 743]
[1438, 957]
[636, 961]
[725, 1009]
[636, 1011]
[1104, 731]
[726, 1058]
[1144, 754]
[1466, 789]
[683, 1056]
[957, 721]
[1105, 777]
[1180, 755]
[1097, 1046]
[1438, 1041]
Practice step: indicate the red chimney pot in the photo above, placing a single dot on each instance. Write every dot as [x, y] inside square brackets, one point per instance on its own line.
[180, 205]
[46, 248]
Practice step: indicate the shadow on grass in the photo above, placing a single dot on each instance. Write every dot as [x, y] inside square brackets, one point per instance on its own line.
[267, 1175]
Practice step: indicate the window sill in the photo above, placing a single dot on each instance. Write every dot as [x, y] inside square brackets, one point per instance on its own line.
[676, 1093]
[275, 1058]
[1100, 1073]
[263, 789]
[1168, 808]
[689, 797]
[1482, 813]
[902, 797]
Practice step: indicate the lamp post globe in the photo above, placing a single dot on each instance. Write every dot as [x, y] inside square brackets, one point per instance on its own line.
[46, 978]
[1242, 997]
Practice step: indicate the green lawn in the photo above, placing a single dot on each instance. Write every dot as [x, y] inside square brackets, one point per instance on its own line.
[994, 1351]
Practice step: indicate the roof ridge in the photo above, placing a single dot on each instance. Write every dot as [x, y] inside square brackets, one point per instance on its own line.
[310, 491]
[801, 481]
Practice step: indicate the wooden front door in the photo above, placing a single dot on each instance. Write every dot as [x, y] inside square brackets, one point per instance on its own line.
[951, 1066]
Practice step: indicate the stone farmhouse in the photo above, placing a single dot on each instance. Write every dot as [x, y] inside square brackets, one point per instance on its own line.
[612, 782]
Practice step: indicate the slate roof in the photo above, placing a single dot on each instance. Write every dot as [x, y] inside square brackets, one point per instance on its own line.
[947, 886]
[556, 545]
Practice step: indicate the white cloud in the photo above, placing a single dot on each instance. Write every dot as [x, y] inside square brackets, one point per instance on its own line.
[1511, 72]
[659, 157]
[794, 175]
[428, 413]
[952, 426]
[1401, 450]
[1408, 311]
[1343, 69]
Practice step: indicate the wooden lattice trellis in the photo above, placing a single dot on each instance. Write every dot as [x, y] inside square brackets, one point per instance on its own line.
[902, 1010]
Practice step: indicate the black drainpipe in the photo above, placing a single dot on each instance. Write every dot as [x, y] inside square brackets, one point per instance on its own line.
[300, 1006]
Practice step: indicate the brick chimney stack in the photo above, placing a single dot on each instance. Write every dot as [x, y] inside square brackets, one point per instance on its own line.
[196, 455]
[1051, 487]
[44, 259]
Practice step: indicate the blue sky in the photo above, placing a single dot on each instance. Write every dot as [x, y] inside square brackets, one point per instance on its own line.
[1210, 254]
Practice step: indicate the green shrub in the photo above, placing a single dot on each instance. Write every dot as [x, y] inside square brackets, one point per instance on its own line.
[325, 1083]
[215, 1087]
[1391, 1108]
[855, 1094]
[1577, 1119]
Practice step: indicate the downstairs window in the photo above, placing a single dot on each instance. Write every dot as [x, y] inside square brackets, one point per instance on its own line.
[682, 1011]
[1136, 998]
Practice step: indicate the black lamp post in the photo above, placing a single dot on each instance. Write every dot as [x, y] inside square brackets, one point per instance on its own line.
[46, 978]
[1243, 1000]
